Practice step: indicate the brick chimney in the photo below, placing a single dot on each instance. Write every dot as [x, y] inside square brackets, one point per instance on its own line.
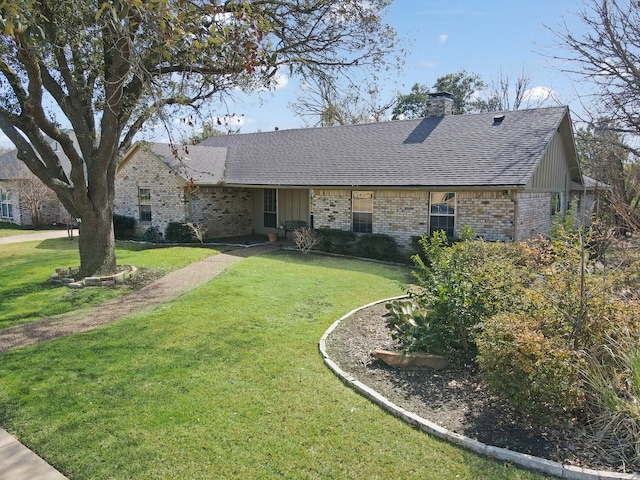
[439, 104]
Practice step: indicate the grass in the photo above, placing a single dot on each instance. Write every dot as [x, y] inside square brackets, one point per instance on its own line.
[7, 229]
[25, 294]
[225, 382]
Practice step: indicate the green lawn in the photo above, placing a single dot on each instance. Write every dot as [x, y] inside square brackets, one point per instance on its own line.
[7, 229]
[226, 382]
[25, 294]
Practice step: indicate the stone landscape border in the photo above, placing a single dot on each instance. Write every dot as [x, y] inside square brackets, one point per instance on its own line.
[528, 461]
[65, 276]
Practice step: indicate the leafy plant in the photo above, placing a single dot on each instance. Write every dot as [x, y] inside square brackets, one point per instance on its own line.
[410, 325]
[178, 232]
[376, 246]
[336, 241]
[466, 283]
[536, 370]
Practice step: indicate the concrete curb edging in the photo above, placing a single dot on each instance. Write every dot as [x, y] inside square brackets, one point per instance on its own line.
[528, 461]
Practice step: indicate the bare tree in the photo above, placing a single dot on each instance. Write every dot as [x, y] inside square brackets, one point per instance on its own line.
[605, 54]
[324, 102]
[31, 192]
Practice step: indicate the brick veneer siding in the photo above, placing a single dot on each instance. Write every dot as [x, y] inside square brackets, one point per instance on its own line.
[404, 214]
[144, 170]
[401, 214]
[225, 212]
[332, 209]
[489, 214]
[534, 215]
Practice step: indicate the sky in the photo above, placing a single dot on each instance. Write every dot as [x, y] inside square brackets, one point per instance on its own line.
[481, 36]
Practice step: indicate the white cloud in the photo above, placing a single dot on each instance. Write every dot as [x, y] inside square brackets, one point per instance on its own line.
[443, 37]
[280, 80]
[537, 96]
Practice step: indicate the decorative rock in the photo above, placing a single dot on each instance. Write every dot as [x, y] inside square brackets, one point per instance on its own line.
[411, 360]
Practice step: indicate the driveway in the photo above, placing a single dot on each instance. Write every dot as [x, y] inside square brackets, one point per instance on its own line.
[33, 237]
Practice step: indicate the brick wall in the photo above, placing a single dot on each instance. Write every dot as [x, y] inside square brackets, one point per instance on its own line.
[332, 209]
[226, 212]
[144, 170]
[534, 215]
[489, 214]
[404, 214]
[401, 214]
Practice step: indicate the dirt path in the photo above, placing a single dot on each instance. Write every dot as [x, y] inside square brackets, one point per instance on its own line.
[164, 290]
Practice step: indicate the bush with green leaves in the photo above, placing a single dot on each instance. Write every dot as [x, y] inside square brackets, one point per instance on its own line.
[377, 246]
[536, 370]
[336, 241]
[535, 356]
[465, 283]
[124, 228]
[178, 232]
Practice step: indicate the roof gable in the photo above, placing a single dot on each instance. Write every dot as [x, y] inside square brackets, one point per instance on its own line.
[201, 164]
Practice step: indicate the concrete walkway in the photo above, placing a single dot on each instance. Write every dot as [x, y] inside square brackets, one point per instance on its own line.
[17, 462]
[32, 237]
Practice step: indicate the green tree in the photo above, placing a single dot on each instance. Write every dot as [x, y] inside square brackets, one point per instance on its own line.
[108, 67]
[461, 85]
[413, 104]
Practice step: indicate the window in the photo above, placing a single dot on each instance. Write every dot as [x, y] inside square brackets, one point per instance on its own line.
[362, 212]
[270, 208]
[144, 199]
[556, 203]
[7, 205]
[442, 212]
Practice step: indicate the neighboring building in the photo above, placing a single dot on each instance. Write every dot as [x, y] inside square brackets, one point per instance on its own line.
[504, 174]
[25, 200]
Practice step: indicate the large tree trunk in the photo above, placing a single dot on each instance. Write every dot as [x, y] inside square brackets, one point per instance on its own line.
[97, 243]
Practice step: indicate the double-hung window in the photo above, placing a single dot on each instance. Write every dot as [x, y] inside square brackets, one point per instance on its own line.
[7, 205]
[144, 201]
[270, 210]
[362, 212]
[442, 212]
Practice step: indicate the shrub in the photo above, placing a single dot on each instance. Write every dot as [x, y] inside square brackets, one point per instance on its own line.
[305, 238]
[538, 373]
[124, 228]
[376, 246]
[178, 232]
[464, 284]
[336, 241]
[153, 234]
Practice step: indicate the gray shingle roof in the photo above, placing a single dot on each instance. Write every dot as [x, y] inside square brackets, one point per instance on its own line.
[454, 150]
[205, 165]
